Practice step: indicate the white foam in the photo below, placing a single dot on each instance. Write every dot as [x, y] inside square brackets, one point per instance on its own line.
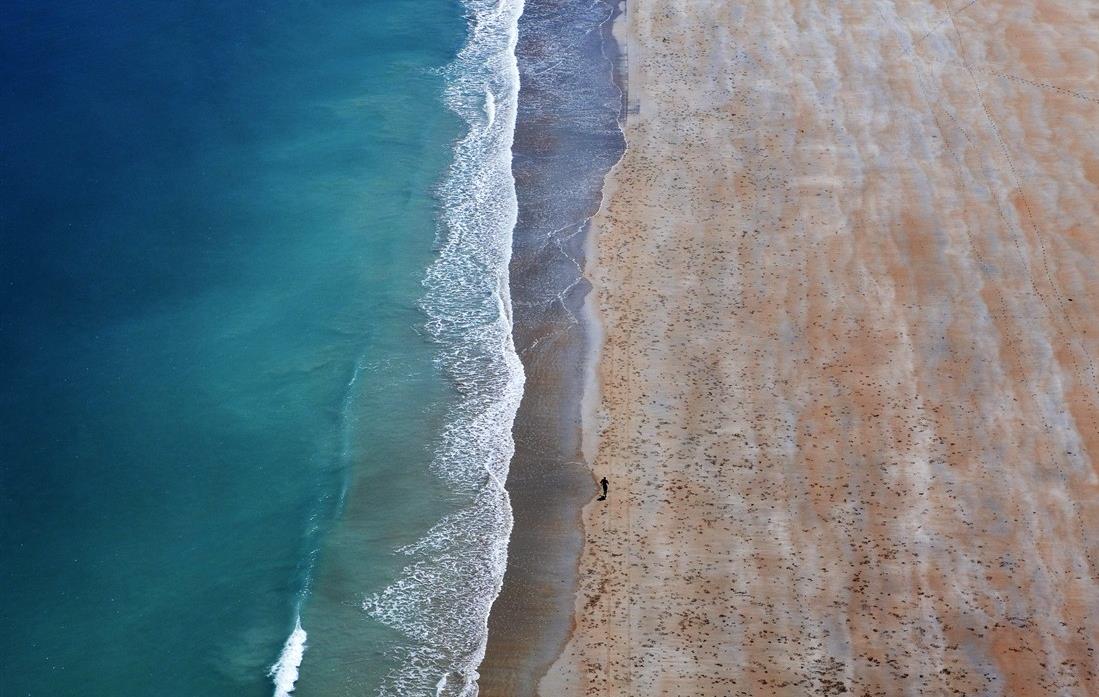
[442, 598]
[490, 108]
[285, 671]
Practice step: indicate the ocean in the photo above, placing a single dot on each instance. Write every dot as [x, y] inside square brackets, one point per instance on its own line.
[255, 331]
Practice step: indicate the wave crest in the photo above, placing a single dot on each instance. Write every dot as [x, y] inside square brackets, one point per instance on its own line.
[285, 671]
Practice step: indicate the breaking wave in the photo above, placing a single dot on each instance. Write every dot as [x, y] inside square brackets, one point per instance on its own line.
[442, 598]
[285, 671]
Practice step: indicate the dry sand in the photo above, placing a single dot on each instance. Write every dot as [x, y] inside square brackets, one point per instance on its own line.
[848, 271]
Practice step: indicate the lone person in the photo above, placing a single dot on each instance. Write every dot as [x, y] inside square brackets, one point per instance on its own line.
[603, 483]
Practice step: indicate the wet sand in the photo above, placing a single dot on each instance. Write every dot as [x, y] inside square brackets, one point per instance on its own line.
[566, 139]
[848, 274]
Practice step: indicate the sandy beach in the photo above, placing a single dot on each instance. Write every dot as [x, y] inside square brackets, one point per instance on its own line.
[848, 276]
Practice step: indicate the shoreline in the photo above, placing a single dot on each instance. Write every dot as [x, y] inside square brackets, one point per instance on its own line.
[555, 331]
[616, 51]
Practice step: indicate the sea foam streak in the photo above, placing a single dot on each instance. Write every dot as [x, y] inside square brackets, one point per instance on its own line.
[442, 598]
[285, 672]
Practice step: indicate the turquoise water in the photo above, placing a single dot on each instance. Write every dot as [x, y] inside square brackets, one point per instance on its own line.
[230, 397]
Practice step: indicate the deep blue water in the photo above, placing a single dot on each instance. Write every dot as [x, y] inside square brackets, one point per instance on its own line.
[215, 220]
